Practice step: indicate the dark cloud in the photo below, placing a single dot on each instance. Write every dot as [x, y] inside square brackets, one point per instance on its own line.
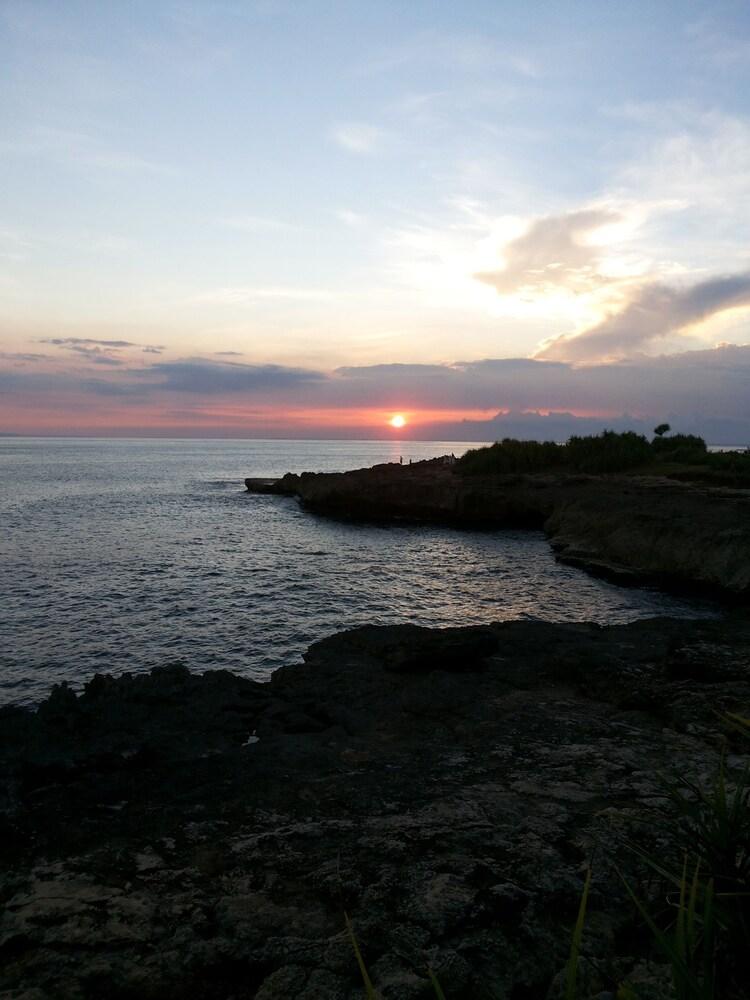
[393, 371]
[656, 311]
[705, 392]
[697, 386]
[24, 382]
[76, 343]
[97, 355]
[70, 341]
[228, 354]
[20, 356]
[112, 389]
[553, 252]
[211, 377]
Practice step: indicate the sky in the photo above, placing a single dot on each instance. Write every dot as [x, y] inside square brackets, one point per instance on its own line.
[272, 218]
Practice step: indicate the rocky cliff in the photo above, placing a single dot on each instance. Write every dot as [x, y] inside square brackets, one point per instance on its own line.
[632, 528]
[174, 835]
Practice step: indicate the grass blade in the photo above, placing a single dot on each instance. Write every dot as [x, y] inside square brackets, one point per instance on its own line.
[575, 947]
[370, 991]
[435, 985]
[680, 970]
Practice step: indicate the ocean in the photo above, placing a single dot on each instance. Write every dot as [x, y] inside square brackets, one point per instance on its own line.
[122, 555]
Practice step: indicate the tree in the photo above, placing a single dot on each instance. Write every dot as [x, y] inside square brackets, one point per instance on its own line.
[662, 429]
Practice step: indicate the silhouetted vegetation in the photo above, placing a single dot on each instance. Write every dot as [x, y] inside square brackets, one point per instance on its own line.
[510, 455]
[684, 448]
[680, 456]
[608, 452]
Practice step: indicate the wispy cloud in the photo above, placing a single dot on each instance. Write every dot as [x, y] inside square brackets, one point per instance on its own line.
[89, 341]
[358, 137]
[67, 341]
[98, 356]
[465, 53]
[100, 352]
[259, 224]
[350, 218]
[80, 149]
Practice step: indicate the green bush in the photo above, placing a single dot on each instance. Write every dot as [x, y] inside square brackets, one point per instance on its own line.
[606, 452]
[687, 449]
[611, 451]
[510, 455]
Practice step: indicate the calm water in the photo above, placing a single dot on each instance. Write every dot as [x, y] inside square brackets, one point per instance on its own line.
[122, 554]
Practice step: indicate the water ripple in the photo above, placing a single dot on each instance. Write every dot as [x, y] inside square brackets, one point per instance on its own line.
[129, 554]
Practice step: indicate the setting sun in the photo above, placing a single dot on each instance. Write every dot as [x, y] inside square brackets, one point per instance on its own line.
[397, 420]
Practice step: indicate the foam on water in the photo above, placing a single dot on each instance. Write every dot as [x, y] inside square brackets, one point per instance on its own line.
[122, 555]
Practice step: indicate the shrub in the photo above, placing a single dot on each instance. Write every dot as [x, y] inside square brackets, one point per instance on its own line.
[510, 455]
[608, 452]
[684, 448]
[611, 452]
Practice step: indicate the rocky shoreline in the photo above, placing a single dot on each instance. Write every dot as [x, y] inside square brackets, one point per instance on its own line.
[203, 836]
[631, 529]
[176, 835]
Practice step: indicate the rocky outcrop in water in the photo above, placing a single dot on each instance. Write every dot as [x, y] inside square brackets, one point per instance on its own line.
[634, 529]
[174, 835]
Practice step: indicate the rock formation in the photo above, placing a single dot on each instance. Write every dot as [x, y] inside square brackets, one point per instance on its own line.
[174, 835]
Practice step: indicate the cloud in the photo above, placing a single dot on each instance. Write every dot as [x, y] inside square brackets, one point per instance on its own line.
[20, 356]
[695, 385]
[97, 355]
[79, 150]
[453, 53]
[64, 341]
[554, 251]
[350, 218]
[260, 224]
[92, 346]
[358, 137]
[212, 377]
[657, 310]
[701, 391]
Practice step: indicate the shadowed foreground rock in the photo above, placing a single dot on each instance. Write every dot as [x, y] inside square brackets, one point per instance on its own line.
[632, 529]
[445, 788]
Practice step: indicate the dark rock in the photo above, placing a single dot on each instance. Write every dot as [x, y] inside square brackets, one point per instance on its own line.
[445, 788]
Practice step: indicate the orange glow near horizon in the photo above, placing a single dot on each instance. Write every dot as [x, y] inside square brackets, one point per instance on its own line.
[170, 413]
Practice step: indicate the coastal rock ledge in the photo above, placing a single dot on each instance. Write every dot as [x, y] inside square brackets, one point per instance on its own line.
[177, 836]
[632, 529]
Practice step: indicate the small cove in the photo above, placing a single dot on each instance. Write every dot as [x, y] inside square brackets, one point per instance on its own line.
[128, 554]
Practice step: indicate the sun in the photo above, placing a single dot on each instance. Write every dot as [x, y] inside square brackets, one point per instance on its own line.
[397, 420]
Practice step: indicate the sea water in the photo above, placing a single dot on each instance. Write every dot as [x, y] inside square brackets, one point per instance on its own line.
[121, 555]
